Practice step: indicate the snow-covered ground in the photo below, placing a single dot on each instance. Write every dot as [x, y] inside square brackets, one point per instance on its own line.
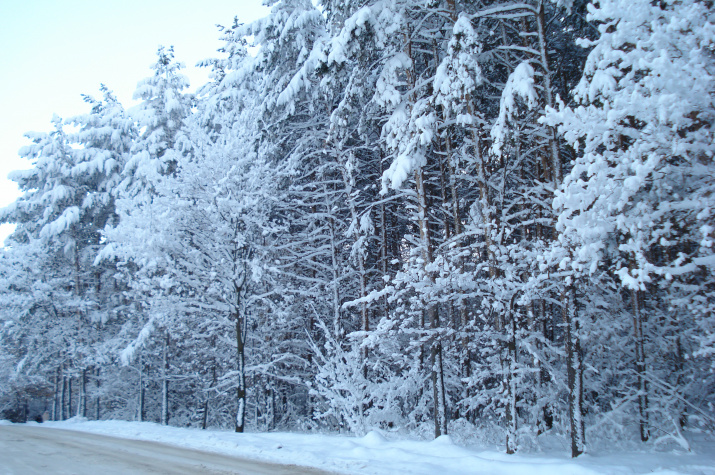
[375, 453]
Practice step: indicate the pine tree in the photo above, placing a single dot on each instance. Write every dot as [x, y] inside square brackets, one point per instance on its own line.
[635, 201]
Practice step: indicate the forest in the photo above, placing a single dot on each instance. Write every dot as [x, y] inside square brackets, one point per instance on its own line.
[489, 217]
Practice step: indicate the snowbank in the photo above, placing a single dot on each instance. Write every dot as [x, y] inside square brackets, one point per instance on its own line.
[376, 454]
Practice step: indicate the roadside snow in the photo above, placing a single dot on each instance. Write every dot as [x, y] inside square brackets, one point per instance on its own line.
[378, 455]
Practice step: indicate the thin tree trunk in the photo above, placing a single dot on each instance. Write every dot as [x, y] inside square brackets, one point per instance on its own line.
[69, 397]
[636, 297]
[63, 399]
[240, 316]
[165, 382]
[97, 399]
[205, 416]
[575, 373]
[440, 402]
[364, 313]
[679, 365]
[56, 395]
[553, 144]
[437, 376]
[140, 392]
[544, 377]
[337, 323]
[456, 219]
[440, 395]
[484, 199]
[552, 172]
[240, 354]
[511, 415]
[271, 405]
[82, 398]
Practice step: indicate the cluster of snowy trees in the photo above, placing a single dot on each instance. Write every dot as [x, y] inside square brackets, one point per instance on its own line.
[424, 215]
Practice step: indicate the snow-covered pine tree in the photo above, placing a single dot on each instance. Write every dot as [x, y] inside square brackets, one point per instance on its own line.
[137, 241]
[635, 204]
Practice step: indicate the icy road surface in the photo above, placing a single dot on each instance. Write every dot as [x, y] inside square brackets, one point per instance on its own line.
[26, 450]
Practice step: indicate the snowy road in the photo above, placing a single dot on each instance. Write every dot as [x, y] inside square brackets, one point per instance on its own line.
[37, 450]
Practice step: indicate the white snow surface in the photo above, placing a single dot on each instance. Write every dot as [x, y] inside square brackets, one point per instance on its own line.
[381, 453]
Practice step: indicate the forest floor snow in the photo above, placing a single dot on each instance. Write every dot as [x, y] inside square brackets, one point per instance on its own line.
[378, 453]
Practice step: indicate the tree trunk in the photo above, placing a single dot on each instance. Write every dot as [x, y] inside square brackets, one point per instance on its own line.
[553, 144]
[271, 409]
[575, 373]
[440, 396]
[364, 313]
[679, 365]
[384, 247]
[544, 377]
[97, 399]
[510, 374]
[165, 382]
[63, 399]
[140, 393]
[337, 323]
[69, 397]
[82, 398]
[453, 207]
[205, 414]
[440, 403]
[431, 310]
[636, 297]
[56, 396]
[241, 328]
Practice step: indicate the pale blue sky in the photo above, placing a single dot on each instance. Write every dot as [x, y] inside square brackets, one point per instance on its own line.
[52, 51]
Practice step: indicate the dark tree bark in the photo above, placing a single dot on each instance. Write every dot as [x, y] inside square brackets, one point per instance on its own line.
[165, 381]
[97, 399]
[575, 373]
[637, 301]
[82, 397]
